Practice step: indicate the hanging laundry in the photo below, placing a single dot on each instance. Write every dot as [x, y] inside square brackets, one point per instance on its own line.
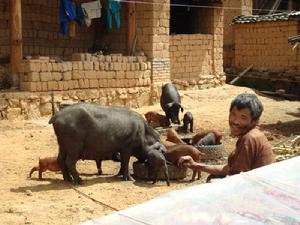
[79, 14]
[113, 10]
[91, 10]
[67, 13]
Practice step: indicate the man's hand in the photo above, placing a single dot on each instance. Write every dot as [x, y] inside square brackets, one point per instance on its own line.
[186, 161]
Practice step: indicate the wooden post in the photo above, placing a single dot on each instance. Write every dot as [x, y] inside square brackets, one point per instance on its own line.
[290, 5]
[131, 28]
[16, 52]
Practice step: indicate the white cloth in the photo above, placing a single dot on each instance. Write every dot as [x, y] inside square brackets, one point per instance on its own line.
[91, 11]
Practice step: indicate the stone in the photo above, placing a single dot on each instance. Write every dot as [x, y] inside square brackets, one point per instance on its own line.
[45, 109]
[13, 113]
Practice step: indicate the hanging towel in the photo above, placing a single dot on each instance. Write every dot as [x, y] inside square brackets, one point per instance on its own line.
[67, 13]
[113, 10]
[91, 10]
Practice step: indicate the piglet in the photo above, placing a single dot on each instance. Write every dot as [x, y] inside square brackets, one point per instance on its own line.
[187, 120]
[157, 119]
[175, 152]
[47, 163]
[172, 136]
[212, 137]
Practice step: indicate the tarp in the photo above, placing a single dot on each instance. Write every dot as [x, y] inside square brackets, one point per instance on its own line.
[267, 195]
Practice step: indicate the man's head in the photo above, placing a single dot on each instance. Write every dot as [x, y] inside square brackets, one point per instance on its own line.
[245, 111]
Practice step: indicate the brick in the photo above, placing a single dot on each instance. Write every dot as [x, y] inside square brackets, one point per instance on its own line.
[33, 76]
[90, 74]
[93, 83]
[45, 76]
[75, 84]
[44, 86]
[39, 86]
[31, 67]
[57, 76]
[52, 85]
[65, 85]
[60, 85]
[76, 75]
[28, 86]
[88, 65]
[67, 75]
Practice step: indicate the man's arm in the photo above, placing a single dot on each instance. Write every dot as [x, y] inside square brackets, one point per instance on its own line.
[188, 162]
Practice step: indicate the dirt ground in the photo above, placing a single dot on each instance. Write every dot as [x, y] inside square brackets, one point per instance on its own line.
[52, 201]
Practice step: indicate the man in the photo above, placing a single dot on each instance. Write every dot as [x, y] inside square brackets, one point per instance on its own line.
[252, 148]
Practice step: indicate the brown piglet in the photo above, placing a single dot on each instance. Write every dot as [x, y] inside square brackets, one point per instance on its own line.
[156, 119]
[175, 152]
[47, 163]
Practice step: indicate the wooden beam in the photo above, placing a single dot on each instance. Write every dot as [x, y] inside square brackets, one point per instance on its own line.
[241, 74]
[16, 51]
[131, 28]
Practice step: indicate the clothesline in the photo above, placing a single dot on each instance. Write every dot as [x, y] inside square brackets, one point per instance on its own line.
[193, 6]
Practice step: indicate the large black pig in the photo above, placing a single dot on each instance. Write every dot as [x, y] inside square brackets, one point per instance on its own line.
[90, 131]
[170, 102]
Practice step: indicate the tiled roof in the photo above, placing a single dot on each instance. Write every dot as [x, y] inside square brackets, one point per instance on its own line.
[266, 18]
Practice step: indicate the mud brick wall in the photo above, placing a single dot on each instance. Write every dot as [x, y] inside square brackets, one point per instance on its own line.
[232, 9]
[153, 37]
[197, 59]
[191, 56]
[265, 46]
[84, 72]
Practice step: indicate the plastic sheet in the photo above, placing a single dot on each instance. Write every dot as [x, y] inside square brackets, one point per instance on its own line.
[267, 195]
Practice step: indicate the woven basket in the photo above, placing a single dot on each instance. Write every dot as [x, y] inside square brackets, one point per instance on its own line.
[140, 170]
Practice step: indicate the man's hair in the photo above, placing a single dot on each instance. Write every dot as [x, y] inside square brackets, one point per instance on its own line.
[249, 101]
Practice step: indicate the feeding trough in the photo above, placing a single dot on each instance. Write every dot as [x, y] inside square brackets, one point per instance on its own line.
[140, 170]
[211, 152]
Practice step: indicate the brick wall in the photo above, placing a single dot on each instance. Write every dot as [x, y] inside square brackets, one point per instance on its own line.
[265, 46]
[197, 59]
[191, 56]
[232, 9]
[84, 72]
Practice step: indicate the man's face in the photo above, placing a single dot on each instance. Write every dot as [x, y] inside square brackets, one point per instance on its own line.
[240, 121]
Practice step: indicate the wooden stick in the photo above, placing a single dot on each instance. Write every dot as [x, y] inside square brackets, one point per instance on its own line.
[241, 74]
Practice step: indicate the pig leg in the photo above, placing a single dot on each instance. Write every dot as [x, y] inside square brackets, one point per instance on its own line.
[71, 164]
[98, 163]
[199, 175]
[61, 159]
[124, 166]
[192, 125]
[36, 168]
[194, 175]
[167, 175]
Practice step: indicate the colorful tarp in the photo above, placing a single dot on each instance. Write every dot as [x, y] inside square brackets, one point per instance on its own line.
[267, 195]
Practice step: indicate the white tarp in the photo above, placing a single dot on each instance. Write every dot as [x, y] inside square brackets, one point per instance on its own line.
[268, 195]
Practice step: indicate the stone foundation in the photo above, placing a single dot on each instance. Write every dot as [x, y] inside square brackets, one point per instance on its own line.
[28, 105]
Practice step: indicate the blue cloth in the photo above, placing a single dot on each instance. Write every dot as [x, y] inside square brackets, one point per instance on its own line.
[67, 13]
[113, 10]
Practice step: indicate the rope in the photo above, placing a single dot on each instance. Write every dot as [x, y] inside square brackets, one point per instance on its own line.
[93, 199]
[193, 6]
